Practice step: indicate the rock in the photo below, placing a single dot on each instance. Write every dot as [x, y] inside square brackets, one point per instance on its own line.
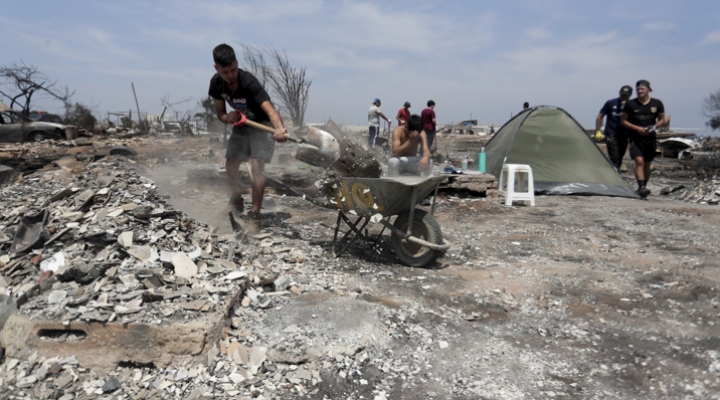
[126, 239]
[57, 296]
[281, 283]
[8, 175]
[111, 385]
[26, 381]
[63, 380]
[236, 378]
[8, 307]
[184, 266]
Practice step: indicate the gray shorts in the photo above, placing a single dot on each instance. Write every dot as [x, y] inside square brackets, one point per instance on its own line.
[246, 143]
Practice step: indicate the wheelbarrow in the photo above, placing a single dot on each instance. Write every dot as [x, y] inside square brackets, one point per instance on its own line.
[417, 243]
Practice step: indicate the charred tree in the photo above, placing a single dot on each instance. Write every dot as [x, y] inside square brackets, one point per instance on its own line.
[287, 84]
[291, 86]
[79, 115]
[21, 83]
[711, 109]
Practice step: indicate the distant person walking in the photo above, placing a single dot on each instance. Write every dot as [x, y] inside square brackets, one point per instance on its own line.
[616, 138]
[429, 122]
[403, 114]
[642, 116]
[374, 115]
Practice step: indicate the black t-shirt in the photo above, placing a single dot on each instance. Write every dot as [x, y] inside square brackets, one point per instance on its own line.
[246, 98]
[643, 115]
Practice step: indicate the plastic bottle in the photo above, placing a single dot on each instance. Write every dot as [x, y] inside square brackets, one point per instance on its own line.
[465, 163]
[481, 160]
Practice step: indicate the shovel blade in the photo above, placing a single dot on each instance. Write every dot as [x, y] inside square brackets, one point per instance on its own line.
[322, 149]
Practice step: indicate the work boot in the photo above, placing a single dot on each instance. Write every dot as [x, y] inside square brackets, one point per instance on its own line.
[237, 204]
[253, 222]
[643, 192]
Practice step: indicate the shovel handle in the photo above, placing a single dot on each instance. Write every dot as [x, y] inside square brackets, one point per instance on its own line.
[265, 128]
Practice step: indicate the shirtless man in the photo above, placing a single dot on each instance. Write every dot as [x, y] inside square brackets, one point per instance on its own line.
[406, 141]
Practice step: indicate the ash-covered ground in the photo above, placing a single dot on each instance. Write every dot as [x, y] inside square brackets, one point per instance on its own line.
[578, 297]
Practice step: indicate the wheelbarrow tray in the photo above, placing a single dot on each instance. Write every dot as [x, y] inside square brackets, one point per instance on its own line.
[366, 197]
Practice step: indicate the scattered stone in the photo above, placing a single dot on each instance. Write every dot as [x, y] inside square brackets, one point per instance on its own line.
[184, 266]
[111, 385]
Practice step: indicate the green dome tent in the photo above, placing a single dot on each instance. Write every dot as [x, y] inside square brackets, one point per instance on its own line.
[563, 158]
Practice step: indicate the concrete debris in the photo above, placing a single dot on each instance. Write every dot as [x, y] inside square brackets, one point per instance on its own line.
[707, 192]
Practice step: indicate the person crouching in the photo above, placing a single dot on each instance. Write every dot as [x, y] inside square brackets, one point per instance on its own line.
[407, 141]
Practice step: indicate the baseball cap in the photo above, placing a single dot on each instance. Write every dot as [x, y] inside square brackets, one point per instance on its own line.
[376, 100]
[407, 104]
[643, 82]
[627, 90]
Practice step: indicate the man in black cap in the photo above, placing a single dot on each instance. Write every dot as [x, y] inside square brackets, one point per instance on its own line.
[642, 116]
[615, 133]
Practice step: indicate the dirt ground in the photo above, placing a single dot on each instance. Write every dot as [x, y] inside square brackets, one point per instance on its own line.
[577, 297]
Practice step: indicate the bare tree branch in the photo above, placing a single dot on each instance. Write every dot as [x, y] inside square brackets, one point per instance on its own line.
[253, 61]
[19, 83]
[289, 86]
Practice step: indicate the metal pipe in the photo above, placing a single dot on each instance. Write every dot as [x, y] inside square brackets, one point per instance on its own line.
[433, 246]
[136, 102]
[413, 201]
[432, 209]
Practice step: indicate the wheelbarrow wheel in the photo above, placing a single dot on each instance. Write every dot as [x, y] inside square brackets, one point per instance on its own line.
[424, 227]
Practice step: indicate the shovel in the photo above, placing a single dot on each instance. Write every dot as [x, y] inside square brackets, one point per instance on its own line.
[318, 148]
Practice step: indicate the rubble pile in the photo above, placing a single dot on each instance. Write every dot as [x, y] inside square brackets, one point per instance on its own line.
[711, 144]
[32, 156]
[704, 193]
[112, 251]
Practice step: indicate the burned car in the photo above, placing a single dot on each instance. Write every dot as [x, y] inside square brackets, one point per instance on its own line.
[15, 128]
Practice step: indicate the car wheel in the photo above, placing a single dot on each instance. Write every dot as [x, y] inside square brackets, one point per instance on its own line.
[36, 136]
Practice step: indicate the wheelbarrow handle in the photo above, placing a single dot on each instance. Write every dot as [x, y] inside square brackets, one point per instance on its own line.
[404, 236]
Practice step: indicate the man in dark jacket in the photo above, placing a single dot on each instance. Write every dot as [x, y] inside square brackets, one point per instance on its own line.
[616, 138]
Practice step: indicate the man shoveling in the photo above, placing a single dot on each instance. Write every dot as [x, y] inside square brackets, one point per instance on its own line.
[245, 95]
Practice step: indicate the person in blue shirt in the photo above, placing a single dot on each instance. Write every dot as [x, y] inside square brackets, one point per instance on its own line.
[615, 133]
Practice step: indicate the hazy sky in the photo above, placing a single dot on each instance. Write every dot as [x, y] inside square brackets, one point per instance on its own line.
[476, 59]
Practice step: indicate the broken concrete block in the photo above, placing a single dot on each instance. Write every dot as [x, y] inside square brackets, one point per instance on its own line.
[184, 266]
